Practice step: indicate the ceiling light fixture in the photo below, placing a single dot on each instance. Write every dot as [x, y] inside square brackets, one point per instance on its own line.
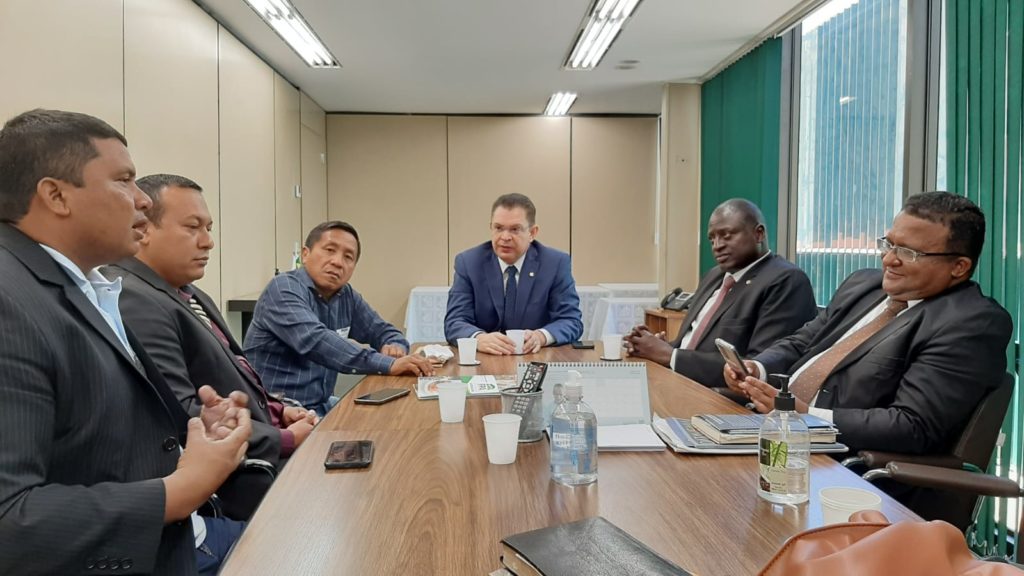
[597, 32]
[293, 29]
[559, 103]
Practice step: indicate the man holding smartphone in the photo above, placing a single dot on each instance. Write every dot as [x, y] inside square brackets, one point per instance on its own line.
[750, 299]
[902, 356]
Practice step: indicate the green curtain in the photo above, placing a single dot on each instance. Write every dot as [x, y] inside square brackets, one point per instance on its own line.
[985, 50]
[739, 137]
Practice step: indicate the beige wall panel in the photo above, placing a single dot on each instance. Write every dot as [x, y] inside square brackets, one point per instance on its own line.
[614, 182]
[287, 170]
[64, 54]
[488, 157]
[170, 87]
[313, 116]
[679, 260]
[313, 163]
[386, 175]
[314, 179]
[246, 168]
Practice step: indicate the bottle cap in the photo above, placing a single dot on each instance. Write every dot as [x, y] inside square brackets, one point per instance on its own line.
[574, 387]
[784, 401]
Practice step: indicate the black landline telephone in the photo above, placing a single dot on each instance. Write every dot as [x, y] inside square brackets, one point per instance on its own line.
[676, 300]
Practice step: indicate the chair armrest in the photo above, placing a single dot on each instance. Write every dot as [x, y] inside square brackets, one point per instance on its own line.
[950, 479]
[877, 459]
[257, 465]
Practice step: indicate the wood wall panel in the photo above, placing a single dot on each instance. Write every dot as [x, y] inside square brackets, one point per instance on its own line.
[170, 80]
[491, 156]
[287, 173]
[614, 183]
[246, 169]
[387, 176]
[63, 54]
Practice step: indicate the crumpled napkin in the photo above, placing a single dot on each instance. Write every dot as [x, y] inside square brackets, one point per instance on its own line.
[438, 354]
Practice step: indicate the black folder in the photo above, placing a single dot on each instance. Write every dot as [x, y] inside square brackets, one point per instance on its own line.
[593, 546]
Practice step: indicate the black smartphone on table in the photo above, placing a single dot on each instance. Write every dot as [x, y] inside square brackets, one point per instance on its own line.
[381, 396]
[349, 454]
[732, 357]
[583, 345]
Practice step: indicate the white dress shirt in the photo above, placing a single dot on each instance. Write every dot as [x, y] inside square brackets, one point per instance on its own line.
[875, 312]
[710, 304]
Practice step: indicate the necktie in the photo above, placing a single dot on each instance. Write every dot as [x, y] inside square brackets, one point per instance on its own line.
[810, 380]
[198, 309]
[510, 297]
[727, 284]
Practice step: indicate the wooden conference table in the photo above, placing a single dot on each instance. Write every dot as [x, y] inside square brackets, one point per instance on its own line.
[432, 504]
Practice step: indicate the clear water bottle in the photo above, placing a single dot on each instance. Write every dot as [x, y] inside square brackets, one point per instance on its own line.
[573, 437]
[784, 450]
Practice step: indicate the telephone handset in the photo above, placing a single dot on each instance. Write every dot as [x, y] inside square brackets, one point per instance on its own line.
[676, 300]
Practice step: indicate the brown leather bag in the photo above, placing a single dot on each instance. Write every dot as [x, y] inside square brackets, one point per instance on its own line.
[869, 544]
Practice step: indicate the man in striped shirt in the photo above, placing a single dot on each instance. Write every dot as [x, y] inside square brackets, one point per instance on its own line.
[308, 324]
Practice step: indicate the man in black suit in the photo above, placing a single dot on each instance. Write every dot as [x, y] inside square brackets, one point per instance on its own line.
[901, 357]
[181, 327]
[185, 334]
[93, 478]
[751, 299]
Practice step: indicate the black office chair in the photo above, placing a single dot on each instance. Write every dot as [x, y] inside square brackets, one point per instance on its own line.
[240, 495]
[972, 451]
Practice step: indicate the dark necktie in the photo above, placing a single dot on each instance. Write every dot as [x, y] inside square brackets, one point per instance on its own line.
[510, 297]
[727, 284]
[810, 380]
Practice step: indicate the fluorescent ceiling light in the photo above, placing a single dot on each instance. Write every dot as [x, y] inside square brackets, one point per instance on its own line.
[293, 29]
[599, 30]
[559, 103]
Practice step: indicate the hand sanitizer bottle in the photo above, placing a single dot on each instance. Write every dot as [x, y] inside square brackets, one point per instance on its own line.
[784, 448]
[573, 437]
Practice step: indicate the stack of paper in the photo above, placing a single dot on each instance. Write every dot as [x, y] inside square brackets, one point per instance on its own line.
[628, 437]
[682, 437]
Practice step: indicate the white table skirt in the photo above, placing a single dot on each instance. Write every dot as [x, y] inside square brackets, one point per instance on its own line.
[618, 315]
[424, 316]
[631, 290]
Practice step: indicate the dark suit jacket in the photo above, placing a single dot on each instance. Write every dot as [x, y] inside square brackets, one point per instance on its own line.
[187, 353]
[546, 296]
[771, 301]
[87, 434]
[911, 387]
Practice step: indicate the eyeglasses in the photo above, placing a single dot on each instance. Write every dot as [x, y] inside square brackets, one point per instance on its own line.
[498, 230]
[906, 254]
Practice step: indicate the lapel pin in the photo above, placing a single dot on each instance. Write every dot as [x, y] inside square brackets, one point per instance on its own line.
[748, 282]
[531, 274]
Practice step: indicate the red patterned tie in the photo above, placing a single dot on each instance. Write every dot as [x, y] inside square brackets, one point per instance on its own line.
[727, 284]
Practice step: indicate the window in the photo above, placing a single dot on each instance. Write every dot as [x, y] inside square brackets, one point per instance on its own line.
[850, 166]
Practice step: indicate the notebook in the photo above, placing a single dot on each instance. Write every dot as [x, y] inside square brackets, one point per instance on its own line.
[682, 437]
[744, 428]
[618, 395]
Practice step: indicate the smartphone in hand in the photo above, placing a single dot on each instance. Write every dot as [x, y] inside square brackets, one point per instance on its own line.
[732, 357]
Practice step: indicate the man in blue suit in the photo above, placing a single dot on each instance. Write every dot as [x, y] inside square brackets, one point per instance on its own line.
[513, 282]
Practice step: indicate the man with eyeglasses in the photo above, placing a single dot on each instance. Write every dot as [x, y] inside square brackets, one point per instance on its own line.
[902, 356]
[513, 282]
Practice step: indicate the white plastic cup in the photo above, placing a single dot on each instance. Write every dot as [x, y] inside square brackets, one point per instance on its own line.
[502, 433]
[467, 350]
[612, 344]
[518, 337]
[839, 502]
[451, 396]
